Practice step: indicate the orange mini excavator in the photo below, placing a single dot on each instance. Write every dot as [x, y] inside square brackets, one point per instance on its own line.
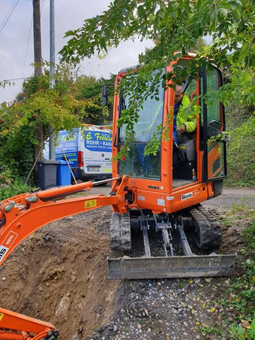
[157, 218]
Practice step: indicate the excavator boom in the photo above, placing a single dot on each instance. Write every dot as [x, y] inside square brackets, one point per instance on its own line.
[23, 214]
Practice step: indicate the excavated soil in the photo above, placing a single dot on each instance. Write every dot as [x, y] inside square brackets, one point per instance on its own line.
[59, 275]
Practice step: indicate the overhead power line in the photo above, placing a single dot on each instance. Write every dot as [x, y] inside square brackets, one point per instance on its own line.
[10, 80]
[6, 18]
[29, 35]
[14, 5]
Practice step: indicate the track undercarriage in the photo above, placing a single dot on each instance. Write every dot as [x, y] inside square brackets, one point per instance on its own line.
[193, 230]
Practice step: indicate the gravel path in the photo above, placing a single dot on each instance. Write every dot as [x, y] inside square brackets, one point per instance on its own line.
[230, 196]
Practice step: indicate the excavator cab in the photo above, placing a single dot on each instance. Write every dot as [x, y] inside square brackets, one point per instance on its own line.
[199, 158]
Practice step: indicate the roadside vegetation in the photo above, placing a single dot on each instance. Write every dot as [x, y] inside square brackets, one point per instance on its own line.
[39, 112]
[242, 291]
[236, 304]
[241, 147]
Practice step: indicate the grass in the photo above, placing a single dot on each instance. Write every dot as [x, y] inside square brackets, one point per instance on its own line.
[238, 212]
[212, 331]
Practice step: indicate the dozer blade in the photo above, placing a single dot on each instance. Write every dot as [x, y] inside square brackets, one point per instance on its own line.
[171, 267]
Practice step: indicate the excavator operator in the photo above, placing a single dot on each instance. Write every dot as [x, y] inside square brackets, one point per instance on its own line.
[184, 122]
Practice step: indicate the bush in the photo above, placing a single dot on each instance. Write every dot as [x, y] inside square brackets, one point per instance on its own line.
[17, 187]
[241, 155]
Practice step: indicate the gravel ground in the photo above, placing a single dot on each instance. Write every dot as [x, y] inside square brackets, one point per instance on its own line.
[165, 309]
[232, 196]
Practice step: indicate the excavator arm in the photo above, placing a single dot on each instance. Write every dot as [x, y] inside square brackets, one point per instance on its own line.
[16, 326]
[21, 215]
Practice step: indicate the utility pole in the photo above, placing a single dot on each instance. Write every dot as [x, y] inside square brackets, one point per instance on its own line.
[38, 70]
[52, 43]
[52, 66]
[37, 38]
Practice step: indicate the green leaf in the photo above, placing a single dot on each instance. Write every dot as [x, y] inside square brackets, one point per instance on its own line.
[69, 33]
[141, 11]
[173, 15]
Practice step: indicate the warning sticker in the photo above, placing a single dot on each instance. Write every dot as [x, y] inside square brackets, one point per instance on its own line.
[90, 204]
[3, 252]
[10, 238]
[141, 198]
[1, 316]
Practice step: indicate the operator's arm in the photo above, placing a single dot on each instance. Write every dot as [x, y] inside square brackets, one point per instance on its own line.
[191, 123]
[187, 117]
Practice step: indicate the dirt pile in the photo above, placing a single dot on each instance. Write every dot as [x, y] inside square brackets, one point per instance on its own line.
[59, 275]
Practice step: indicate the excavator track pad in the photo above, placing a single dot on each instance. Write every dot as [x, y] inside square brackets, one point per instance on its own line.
[120, 231]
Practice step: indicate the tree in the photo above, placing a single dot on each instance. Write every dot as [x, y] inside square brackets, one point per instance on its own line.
[89, 89]
[174, 26]
[63, 108]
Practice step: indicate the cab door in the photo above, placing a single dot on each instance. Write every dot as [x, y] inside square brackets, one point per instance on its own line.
[213, 136]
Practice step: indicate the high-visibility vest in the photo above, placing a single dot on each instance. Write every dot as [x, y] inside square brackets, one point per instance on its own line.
[186, 115]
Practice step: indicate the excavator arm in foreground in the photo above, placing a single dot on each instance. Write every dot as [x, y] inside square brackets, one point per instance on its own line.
[16, 326]
[22, 215]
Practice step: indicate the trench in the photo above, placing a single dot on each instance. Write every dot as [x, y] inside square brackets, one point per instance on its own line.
[60, 275]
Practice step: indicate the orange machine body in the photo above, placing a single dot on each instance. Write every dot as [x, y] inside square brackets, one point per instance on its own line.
[160, 195]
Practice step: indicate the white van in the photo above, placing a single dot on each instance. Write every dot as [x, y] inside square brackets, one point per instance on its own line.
[88, 151]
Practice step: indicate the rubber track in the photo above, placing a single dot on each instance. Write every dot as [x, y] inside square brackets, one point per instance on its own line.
[120, 231]
[202, 229]
[115, 231]
[216, 232]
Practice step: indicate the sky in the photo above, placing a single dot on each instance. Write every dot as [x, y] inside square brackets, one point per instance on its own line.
[16, 40]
